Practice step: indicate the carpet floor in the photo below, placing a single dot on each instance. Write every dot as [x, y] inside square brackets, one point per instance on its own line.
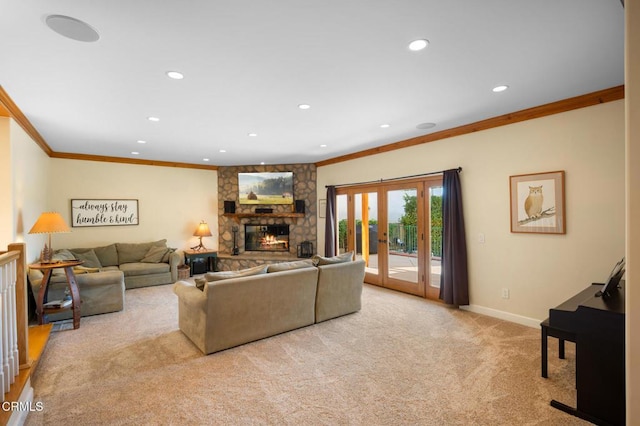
[401, 360]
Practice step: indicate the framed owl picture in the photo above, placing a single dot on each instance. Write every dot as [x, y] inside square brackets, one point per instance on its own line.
[537, 203]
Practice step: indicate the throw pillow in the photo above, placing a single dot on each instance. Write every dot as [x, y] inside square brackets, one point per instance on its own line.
[61, 255]
[84, 270]
[155, 255]
[167, 255]
[107, 255]
[90, 259]
[200, 283]
[134, 252]
[286, 266]
[341, 258]
[225, 275]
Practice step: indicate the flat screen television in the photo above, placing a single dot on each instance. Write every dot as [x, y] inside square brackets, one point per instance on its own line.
[611, 284]
[265, 188]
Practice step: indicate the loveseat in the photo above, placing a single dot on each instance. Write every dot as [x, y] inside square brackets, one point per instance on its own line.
[234, 308]
[107, 271]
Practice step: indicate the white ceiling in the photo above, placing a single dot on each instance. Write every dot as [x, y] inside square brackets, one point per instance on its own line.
[249, 64]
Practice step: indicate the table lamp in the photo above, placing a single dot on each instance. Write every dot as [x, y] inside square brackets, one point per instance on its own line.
[49, 223]
[201, 231]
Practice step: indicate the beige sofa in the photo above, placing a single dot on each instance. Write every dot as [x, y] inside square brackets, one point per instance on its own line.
[267, 300]
[107, 271]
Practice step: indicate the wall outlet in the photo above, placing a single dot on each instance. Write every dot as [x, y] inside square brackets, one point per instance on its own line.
[505, 293]
[481, 238]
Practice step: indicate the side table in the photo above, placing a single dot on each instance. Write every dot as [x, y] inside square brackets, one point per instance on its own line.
[201, 261]
[46, 269]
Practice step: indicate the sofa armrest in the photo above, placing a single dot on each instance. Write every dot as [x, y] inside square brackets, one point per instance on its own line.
[175, 258]
[190, 295]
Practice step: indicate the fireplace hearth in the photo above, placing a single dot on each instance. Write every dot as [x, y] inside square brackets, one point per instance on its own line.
[266, 237]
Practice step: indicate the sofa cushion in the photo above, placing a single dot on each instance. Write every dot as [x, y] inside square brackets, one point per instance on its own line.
[108, 255]
[135, 269]
[89, 258]
[344, 257]
[134, 252]
[286, 266]
[218, 276]
[155, 254]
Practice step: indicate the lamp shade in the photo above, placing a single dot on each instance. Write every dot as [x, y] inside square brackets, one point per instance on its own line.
[202, 230]
[49, 222]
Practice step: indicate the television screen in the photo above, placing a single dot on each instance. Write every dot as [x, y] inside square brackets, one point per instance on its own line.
[265, 188]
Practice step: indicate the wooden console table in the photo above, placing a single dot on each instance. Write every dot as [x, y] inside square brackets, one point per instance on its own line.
[47, 269]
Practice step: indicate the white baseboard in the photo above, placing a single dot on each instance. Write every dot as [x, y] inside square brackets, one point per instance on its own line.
[18, 417]
[519, 319]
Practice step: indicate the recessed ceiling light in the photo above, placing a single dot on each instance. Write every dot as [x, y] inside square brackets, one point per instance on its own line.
[500, 88]
[72, 28]
[253, 135]
[304, 106]
[424, 126]
[153, 119]
[223, 150]
[420, 44]
[205, 159]
[175, 75]
[262, 163]
[385, 126]
[135, 152]
[324, 145]
[142, 142]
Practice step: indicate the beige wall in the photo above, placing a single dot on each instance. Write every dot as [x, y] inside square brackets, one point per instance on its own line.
[27, 186]
[540, 271]
[6, 190]
[171, 201]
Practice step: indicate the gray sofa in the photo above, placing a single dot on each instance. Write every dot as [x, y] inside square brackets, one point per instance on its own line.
[234, 308]
[107, 271]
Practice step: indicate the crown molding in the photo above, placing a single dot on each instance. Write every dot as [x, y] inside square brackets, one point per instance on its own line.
[14, 112]
[590, 99]
[123, 160]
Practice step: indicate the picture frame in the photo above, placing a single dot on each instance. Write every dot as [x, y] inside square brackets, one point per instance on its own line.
[103, 212]
[537, 203]
[322, 208]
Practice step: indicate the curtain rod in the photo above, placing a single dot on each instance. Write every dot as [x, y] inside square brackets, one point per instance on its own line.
[459, 169]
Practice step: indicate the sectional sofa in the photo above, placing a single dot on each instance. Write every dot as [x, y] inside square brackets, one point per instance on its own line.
[234, 308]
[107, 271]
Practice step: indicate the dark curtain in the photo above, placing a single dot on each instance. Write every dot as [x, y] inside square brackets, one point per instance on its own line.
[454, 281]
[330, 225]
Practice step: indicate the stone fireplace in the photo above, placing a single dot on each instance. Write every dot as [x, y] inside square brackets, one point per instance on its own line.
[280, 246]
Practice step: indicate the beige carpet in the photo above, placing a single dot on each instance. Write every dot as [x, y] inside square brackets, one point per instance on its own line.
[402, 360]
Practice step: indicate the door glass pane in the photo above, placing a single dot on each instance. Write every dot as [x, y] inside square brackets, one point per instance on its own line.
[341, 210]
[402, 234]
[366, 215]
[435, 226]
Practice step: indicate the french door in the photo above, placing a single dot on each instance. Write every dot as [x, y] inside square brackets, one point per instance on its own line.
[396, 228]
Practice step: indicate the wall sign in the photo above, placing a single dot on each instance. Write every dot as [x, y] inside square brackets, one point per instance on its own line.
[103, 212]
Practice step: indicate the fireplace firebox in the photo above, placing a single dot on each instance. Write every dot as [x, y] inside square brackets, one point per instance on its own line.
[266, 237]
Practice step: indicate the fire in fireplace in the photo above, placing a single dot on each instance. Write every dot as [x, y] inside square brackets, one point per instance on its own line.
[266, 237]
